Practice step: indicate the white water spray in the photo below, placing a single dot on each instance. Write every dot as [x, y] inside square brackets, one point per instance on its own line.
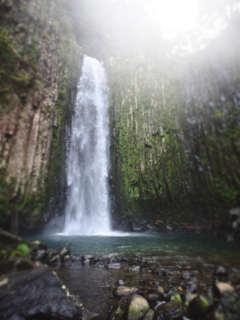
[87, 210]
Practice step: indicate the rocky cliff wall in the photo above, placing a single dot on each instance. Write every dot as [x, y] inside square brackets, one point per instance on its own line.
[39, 65]
[175, 133]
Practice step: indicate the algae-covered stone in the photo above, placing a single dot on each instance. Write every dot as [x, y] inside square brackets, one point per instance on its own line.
[199, 306]
[176, 297]
[137, 307]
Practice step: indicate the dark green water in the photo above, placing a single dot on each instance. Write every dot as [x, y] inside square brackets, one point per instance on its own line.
[193, 246]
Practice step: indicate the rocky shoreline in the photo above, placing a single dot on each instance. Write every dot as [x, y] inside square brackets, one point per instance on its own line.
[128, 288]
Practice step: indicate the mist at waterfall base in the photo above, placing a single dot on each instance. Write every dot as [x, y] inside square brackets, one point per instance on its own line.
[87, 209]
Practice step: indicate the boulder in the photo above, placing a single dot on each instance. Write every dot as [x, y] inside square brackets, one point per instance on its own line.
[32, 292]
[137, 307]
[123, 291]
[63, 252]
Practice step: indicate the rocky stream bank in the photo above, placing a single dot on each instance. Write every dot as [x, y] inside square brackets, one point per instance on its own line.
[41, 283]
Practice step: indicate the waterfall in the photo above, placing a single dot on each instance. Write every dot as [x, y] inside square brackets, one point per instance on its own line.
[87, 209]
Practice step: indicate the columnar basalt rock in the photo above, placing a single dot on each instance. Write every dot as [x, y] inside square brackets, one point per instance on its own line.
[39, 55]
[174, 128]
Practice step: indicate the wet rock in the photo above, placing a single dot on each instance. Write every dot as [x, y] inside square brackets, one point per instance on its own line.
[87, 315]
[121, 282]
[39, 245]
[63, 252]
[24, 264]
[123, 291]
[149, 315]
[110, 257]
[193, 288]
[114, 266]
[137, 307]
[32, 292]
[199, 306]
[88, 259]
[220, 288]
[186, 275]
[152, 297]
[172, 309]
[86, 262]
[39, 255]
[67, 258]
[220, 272]
[136, 228]
[160, 290]
[135, 268]
[228, 307]
[56, 260]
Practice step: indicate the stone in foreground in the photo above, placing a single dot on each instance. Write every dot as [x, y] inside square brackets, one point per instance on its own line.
[137, 307]
[32, 292]
[220, 288]
[199, 306]
[172, 309]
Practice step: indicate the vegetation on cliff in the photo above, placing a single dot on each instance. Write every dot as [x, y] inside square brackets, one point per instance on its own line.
[39, 63]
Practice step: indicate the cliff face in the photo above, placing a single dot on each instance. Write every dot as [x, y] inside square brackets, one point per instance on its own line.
[39, 62]
[175, 133]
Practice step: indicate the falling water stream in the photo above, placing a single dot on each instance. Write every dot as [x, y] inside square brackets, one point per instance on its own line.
[87, 210]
